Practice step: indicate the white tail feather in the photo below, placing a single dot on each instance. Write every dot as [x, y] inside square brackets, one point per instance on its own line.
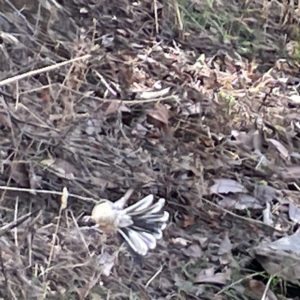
[140, 205]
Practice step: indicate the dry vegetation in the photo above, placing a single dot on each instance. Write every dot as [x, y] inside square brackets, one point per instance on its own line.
[195, 101]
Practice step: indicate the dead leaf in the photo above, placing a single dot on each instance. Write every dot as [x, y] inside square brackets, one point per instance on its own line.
[60, 167]
[102, 182]
[225, 245]
[281, 148]
[258, 289]
[243, 139]
[46, 98]
[188, 220]
[180, 241]
[225, 186]
[139, 130]
[192, 109]
[294, 212]
[240, 202]
[187, 285]
[154, 94]
[159, 113]
[107, 262]
[295, 98]
[5, 120]
[209, 276]
[35, 182]
[264, 193]
[257, 141]
[19, 174]
[95, 296]
[267, 215]
[116, 106]
[64, 199]
[192, 251]
[291, 172]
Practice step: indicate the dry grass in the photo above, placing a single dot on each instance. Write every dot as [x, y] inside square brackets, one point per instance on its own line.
[102, 97]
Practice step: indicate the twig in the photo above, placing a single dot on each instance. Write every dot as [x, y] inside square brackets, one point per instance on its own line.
[42, 70]
[17, 222]
[8, 188]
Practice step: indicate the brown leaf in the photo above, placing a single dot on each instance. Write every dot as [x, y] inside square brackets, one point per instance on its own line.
[292, 172]
[159, 113]
[281, 148]
[35, 182]
[240, 202]
[225, 245]
[107, 262]
[115, 106]
[61, 168]
[257, 140]
[188, 220]
[225, 186]
[102, 182]
[139, 130]
[154, 94]
[19, 174]
[209, 276]
[5, 120]
[264, 193]
[192, 251]
[258, 289]
[180, 241]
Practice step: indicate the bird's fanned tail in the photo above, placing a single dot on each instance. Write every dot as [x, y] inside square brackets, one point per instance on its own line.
[148, 221]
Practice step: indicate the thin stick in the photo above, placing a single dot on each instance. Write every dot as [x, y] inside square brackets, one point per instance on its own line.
[8, 188]
[42, 70]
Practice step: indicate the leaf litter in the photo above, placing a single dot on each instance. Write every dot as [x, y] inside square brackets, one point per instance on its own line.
[193, 113]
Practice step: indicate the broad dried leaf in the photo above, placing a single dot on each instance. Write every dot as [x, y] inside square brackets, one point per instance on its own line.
[258, 288]
[154, 94]
[180, 241]
[192, 251]
[102, 182]
[188, 220]
[116, 106]
[295, 98]
[294, 212]
[209, 276]
[242, 138]
[107, 262]
[60, 167]
[241, 202]
[19, 174]
[192, 109]
[225, 246]
[264, 193]
[187, 285]
[5, 120]
[95, 296]
[35, 182]
[267, 215]
[291, 172]
[281, 148]
[225, 186]
[257, 141]
[159, 113]
[139, 130]
[281, 257]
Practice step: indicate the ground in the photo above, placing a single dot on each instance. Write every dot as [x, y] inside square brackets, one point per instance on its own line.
[195, 101]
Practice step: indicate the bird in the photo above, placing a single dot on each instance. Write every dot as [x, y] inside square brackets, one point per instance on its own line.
[141, 224]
